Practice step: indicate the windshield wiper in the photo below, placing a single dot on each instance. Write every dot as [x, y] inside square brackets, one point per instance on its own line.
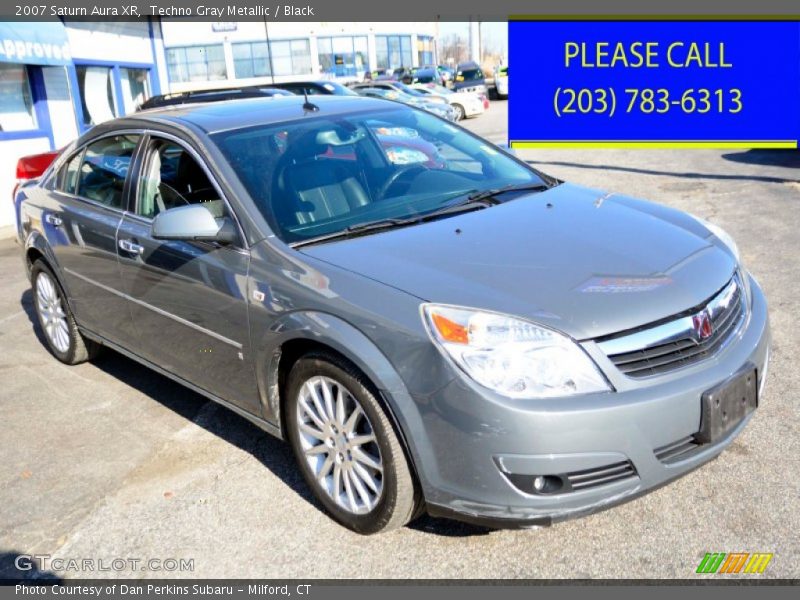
[474, 201]
[358, 229]
[382, 224]
[379, 224]
[491, 194]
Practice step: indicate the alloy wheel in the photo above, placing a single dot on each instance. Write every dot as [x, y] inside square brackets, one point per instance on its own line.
[51, 311]
[339, 445]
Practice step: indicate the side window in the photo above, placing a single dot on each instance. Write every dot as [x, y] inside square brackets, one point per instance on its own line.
[102, 172]
[68, 178]
[171, 177]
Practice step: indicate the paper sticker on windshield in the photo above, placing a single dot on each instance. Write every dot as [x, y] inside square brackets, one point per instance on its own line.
[405, 132]
[403, 155]
[622, 285]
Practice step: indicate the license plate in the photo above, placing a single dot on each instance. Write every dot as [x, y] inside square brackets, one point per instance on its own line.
[724, 406]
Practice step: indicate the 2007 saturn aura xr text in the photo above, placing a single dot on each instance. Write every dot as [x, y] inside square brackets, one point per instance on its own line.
[430, 323]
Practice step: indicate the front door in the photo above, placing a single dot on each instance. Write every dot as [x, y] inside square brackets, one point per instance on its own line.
[188, 298]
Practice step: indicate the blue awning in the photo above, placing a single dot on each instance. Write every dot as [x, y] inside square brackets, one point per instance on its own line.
[42, 43]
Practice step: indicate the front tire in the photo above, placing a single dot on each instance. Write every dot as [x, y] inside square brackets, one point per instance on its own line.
[61, 333]
[346, 446]
[460, 112]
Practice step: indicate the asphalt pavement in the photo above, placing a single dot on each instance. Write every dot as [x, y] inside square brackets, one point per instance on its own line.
[108, 460]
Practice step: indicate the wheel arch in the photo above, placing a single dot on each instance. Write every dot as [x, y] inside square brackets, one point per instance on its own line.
[297, 334]
[37, 248]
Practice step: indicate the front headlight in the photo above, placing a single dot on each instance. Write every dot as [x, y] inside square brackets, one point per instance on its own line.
[510, 356]
[724, 237]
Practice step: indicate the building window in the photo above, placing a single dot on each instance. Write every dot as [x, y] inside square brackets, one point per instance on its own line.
[393, 51]
[343, 56]
[16, 101]
[98, 96]
[196, 63]
[251, 59]
[135, 87]
[425, 50]
[291, 57]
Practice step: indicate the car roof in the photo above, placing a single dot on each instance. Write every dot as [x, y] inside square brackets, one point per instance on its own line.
[211, 95]
[303, 82]
[213, 117]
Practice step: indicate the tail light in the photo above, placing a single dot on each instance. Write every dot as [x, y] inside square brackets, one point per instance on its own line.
[30, 167]
[33, 166]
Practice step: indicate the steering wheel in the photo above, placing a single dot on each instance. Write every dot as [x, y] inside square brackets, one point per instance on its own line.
[394, 177]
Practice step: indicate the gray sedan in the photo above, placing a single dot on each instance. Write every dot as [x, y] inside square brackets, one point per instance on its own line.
[430, 323]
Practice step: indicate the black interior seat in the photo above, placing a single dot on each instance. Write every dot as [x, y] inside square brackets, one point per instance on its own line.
[324, 188]
[191, 181]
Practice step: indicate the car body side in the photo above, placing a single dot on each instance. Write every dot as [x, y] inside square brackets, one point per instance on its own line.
[296, 301]
[295, 313]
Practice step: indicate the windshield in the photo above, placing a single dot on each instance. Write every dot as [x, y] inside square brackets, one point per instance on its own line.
[402, 87]
[338, 89]
[387, 94]
[324, 174]
[436, 89]
[470, 75]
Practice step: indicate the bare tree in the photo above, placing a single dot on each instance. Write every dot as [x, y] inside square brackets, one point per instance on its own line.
[453, 49]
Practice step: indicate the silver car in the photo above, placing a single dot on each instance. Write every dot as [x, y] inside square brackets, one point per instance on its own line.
[430, 323]
[439, 108]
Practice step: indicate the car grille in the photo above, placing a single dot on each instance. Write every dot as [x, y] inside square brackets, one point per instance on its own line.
[677, 451]
[581, 480]
[675, 344]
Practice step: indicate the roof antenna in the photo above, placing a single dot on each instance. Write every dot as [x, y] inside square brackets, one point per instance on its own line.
[308, 106]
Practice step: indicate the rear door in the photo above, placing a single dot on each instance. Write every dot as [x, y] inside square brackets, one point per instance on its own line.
[188, 298]
[80, 222]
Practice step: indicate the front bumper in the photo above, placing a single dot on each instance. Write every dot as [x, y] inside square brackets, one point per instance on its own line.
[480, 446]
[473, 109]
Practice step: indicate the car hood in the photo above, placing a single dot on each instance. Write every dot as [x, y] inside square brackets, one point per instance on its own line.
[572, 258]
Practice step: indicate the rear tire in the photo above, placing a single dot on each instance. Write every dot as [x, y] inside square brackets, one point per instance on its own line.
[346, 446]
[61, 333]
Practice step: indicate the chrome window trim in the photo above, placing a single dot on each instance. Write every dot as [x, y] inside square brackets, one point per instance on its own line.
[680, 328]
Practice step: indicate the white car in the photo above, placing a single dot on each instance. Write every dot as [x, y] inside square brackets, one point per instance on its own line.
[501, 81]
[466, 104]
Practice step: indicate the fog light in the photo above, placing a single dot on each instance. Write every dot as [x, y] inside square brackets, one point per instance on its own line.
[539, 483]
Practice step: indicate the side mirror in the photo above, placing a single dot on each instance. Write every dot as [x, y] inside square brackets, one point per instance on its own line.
[192, 222]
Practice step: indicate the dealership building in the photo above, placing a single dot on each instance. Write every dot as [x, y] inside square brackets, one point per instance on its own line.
[58, 79]
[216, 54]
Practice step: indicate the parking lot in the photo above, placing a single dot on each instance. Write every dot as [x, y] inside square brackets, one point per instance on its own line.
[108, 459]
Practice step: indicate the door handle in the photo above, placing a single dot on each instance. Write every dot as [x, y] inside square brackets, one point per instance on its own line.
[131, 247]
[53, 219]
